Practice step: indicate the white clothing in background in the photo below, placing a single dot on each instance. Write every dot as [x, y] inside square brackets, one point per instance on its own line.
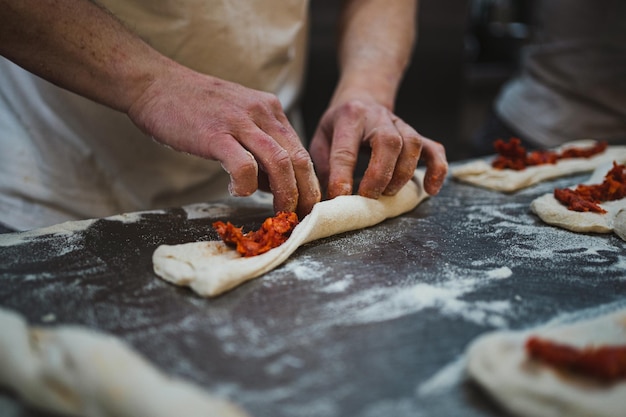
[63, 157]
[573, 84]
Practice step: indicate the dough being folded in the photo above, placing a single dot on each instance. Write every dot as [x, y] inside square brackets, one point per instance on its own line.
[529, 388]
[482, 174]
[211, 268]
[78, 372]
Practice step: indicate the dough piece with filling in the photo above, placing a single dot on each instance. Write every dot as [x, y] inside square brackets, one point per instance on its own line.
[619, 224]
[551, 211]
[211, 268]
[76, 371]
[528, 388]
[482, 174]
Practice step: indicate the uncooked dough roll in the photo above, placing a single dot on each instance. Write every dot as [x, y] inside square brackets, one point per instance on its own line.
[78, 372]
[211, 268]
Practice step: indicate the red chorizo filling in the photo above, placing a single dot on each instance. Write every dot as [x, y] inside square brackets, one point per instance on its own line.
[512, 155]
[605, 363]
[588, 197]
[273, 232]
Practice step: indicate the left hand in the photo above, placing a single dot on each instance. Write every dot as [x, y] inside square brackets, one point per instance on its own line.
[395, 150]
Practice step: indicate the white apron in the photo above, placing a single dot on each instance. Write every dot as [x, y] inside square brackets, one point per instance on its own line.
[574, 83]
[63, 157]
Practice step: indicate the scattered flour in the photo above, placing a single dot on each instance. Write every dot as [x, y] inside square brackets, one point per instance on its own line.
[444, 379]
[307, 269]
[338, 286]
[49, 318]
[202, 210]
[68, 229]
[278, 366]
[447, 297]
[62, 229]
[500, 273]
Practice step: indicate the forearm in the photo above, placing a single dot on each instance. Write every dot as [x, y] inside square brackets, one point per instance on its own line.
[375, 45]
[78, 46]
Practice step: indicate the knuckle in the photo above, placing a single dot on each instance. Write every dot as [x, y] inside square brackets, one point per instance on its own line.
[281, 159]
[343, 156]
[388, 140]
[301, 158]
[273, 102]
[353, 108]
[394, 142]
[266, 103]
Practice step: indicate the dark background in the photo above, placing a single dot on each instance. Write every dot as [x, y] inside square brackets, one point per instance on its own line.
[466, 50]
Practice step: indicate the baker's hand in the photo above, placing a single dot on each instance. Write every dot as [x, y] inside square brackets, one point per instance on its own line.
[395, 150]
[246, 130]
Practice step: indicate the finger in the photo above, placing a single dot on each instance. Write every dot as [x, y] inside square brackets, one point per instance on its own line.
[308, 188]
[407, 161]
[237, 162]
[308, 185]
[434, 154]
[343, 156]
[386, 144]
[275, 161]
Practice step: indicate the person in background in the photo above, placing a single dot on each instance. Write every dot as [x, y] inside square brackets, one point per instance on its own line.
[97, 97]
[572, 80]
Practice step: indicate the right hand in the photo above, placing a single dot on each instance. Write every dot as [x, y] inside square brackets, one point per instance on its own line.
[246, 130]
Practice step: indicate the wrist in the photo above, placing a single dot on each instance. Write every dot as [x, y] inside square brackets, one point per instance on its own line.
[369, 89]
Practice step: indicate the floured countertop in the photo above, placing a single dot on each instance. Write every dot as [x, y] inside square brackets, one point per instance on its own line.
[365, 324]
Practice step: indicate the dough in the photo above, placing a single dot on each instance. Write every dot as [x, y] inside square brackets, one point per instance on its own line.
[77, 372]
[482, 174]
[551, 211]
[619, 224]
[211, 268]
[529, 388]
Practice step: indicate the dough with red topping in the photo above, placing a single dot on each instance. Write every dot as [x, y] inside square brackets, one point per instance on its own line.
[482, 174]
[552, 212]
[211, 268]
[528, 387]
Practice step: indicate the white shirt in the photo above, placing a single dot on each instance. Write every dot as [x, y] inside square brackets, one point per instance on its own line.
[63, 157]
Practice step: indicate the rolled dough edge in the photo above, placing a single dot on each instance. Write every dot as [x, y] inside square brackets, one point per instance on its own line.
[210, 277]
[77, 371]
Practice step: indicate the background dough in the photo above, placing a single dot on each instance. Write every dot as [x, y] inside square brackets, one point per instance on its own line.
[528, 388]
[482, 174]
[551, 211]
[211, 268]
[78, 372]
